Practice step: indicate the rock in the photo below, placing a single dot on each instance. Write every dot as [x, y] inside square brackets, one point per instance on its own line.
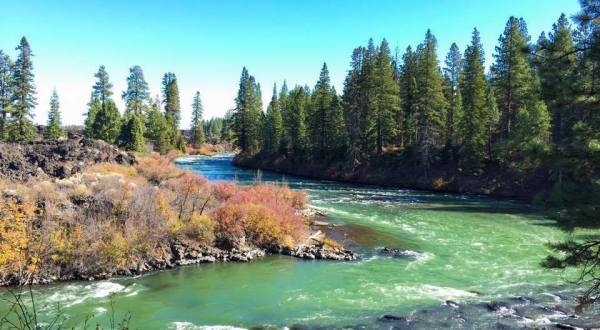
[391, 318]
[451, 303]
[56, 158]
[398, 253]
[312, 252]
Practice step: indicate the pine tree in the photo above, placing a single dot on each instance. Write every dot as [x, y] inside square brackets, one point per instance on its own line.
[131, 136]
[473, 125]
[247, 119]
[366, 85]
[430, 103]
[384, 99]
[197, 130]
[102, 89]
[54, 129]
[228, 128]
[6, 89]
[137, 95]
[317, 117]
[557, 65]
[518, 90]
[107, 122]
[170, 91]
[285, 142]
[298, 99]
[273, 125]
[158, 130]
[452, 74]
[408, 96]
[103, 118]
[492, 119]
[351, 99]
[23, 97]
[94, 106]
[337, 138]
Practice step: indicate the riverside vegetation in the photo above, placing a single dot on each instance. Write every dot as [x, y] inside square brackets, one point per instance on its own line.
[121, 219]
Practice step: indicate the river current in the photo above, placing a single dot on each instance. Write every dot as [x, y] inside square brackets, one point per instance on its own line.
[467, 249]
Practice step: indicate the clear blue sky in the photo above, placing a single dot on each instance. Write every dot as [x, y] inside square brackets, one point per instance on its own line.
[206, 43]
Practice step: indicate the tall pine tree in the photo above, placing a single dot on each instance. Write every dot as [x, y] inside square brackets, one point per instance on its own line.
[273, 125]
[473, 124]
[430, 103]
[452, 73]
[317, 120]
[103, 118]
[197, 129]
[6, 89]
[23, 96]
[408, 95]
[557, 66]
[524, 118]
[384, 99]
[248, 114]
[137, 95]
[170, 91]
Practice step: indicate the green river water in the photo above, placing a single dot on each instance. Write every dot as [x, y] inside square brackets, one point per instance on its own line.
[468, 249]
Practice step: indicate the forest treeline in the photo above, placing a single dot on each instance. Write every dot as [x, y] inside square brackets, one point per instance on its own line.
[537, 106]
[145, 122]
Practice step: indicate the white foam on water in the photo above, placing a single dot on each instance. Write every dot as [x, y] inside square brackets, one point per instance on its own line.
[420, 258]
[192, 326]
[100, 310]
[555, 297]
[72, 295]
[408, 228]
[433, 292]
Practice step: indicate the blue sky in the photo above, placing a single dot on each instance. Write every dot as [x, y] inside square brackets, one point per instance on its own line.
[206, 43]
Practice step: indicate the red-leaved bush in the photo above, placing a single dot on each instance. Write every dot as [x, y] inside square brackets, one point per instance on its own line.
[260, 215]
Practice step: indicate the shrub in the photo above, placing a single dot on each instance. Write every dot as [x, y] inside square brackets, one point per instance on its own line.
[229, 231]
[157, 169]
[200, 228]
[260, 215]
[109, 168]
[225, 190]
[18, 256]
[191, 194]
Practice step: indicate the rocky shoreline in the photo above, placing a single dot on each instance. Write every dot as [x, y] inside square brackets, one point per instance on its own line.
[182, 252]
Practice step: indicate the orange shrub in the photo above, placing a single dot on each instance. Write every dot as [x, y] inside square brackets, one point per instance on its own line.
[261, 215]
[18, 255]
[229, 220]
[225, 190]
[157, 169]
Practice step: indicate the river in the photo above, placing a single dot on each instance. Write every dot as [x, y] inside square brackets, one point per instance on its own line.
[467, 249]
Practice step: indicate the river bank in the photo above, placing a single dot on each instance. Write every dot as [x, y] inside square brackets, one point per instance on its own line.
[389, 170]
[81, 209]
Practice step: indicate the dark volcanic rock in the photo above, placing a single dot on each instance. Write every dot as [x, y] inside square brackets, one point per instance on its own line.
[398, 253]
[312, 252]
[56, 158]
